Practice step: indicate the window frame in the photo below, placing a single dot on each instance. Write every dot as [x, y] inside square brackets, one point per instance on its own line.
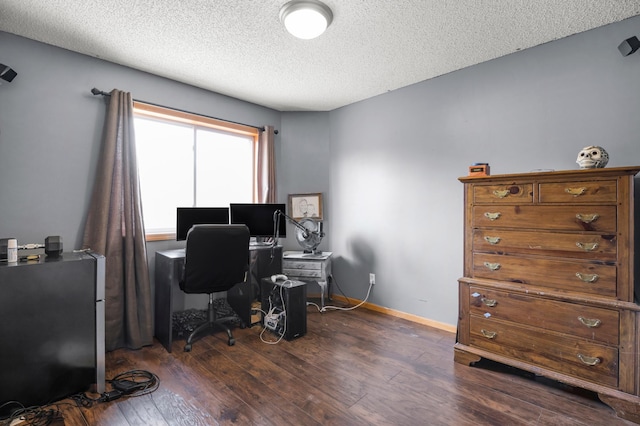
[146, 110]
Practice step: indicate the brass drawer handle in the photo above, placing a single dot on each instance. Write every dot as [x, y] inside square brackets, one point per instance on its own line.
[492, 266]
[591, 323]
[492, 240]
[576, 192]
[501, 193]
[587, 217]
[492, 216]
[587, 246]
[490, 302]
[488, 334]
[588, 278]
[589, 360]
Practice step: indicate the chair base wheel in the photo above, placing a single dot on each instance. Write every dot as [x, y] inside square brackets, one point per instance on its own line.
[232, 341]
[187, 348]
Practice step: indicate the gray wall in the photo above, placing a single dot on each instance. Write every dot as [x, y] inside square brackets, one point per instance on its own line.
[304, 163]
[387, 166]
[396, 203]
[51, 128]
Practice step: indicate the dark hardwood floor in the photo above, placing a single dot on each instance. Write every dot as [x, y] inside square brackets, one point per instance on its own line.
[351, 368]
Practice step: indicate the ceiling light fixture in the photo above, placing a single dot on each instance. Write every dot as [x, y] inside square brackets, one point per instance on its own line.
[306, 19]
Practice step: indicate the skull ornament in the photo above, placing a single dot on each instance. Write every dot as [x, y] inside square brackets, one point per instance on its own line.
[592, 157]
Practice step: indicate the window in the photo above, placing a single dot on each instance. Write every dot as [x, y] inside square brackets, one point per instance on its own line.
[186, 160]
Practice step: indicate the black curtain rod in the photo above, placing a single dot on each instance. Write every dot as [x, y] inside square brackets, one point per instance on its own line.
[96, 92]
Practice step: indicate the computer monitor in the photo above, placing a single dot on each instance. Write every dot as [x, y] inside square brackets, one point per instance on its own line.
[259, 218]
[189, 216]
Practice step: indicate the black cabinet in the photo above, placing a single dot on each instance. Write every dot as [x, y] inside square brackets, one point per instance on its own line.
[51, 329]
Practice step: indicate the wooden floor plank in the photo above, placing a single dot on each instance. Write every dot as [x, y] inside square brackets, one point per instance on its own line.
[351, 368]
[321, 407]
[209, 392]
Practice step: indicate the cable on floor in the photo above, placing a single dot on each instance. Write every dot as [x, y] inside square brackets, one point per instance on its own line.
[340, 308]
[131, 383]
[31, 416]
[128, 384]
[271, 310]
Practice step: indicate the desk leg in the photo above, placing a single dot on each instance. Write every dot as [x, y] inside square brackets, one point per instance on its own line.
[168, 296]
[163, 311]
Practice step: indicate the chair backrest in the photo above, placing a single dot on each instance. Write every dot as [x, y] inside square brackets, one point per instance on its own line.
[216, 259]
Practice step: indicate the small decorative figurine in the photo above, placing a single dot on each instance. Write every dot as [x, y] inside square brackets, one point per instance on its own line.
[592, 157]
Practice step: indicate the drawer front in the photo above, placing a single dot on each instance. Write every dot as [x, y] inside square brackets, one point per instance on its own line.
[297, 264]
[503, 194]
[564, 354]
[592, 278]
[303, 273]
[581, 246]
[565, 218]
[585, 322]
[579, 192]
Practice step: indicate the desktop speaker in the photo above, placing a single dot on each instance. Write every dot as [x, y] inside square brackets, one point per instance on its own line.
[288, 301]
[629, 46]
[6, 73]
[53, 246]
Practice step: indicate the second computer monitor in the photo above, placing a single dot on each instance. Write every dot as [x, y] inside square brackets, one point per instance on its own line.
[259, 218]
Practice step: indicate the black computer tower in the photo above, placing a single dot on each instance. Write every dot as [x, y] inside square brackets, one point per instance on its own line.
[287, 300]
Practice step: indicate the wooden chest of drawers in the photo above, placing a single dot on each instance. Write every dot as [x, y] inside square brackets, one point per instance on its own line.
[548, 281]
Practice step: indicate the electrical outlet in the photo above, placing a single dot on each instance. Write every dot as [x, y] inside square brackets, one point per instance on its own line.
[372, 279]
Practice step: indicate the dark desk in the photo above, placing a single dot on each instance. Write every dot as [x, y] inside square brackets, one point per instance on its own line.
[264, 261]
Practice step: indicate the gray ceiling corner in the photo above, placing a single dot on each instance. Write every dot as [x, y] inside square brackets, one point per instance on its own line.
[239, 47]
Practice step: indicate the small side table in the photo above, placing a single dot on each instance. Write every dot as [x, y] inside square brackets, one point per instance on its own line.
[309, 267]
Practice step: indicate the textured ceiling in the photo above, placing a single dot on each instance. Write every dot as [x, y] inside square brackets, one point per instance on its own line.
[239, 48]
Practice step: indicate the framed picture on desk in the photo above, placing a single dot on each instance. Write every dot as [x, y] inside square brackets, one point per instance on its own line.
[305, 205]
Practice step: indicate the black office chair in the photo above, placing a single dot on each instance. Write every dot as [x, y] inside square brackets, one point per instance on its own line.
[217, 258]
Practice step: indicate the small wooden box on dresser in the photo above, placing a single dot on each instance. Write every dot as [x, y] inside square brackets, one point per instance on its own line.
[548, 282]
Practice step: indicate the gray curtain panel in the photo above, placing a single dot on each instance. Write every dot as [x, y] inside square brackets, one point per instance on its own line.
[114, 228]
[266, 175]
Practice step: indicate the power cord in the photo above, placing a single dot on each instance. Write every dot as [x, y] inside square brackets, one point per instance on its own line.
[282, 317]
[31, 416]
[340, 308]
[131, 383]
[340, 289]
[128, 384]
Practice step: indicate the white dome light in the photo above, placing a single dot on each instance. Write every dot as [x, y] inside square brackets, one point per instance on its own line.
[306, 19]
